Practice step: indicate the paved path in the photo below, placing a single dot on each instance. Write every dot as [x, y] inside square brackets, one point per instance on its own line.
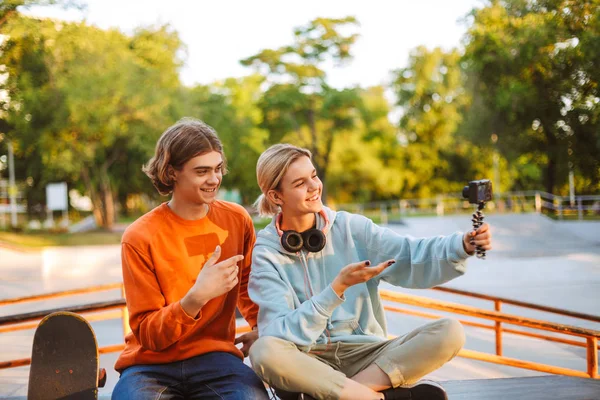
[534, 259]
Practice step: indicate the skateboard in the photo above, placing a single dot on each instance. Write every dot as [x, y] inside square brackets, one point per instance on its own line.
[64, 359]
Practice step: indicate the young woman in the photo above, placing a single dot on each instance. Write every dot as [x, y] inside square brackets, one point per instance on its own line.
[315, 274]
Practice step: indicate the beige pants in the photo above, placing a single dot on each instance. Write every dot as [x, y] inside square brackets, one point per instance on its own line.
[322, 371]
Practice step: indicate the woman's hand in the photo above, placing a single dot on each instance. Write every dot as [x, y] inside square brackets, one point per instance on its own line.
[481, 237]
[247, 340]
[353, 274]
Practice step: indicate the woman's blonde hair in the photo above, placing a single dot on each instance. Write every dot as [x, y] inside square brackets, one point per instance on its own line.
[177, 145]
[271, 167]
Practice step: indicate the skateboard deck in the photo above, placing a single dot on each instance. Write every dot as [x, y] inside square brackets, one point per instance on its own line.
[64, 359]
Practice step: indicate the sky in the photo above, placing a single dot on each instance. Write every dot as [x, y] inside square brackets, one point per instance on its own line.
[217, 34]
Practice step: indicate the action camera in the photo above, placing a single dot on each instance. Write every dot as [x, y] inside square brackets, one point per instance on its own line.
[478, 192]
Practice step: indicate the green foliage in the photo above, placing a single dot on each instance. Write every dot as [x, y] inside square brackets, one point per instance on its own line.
[533, 73]
[86, 105]
[431, 92]
[40, 240]
[103, 94]
[299, 106]
[9, 8]
[322, 40]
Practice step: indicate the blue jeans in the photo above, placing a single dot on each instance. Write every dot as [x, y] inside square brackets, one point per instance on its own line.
[215, 375]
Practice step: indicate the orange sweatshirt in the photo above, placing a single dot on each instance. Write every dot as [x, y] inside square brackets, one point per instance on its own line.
[162, 255]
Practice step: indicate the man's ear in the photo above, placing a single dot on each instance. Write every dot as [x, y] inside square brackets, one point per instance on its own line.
[273, 197]
[172, 173]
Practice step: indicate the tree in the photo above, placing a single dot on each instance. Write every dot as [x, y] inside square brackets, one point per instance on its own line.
[110, 91]
[29, 105]
[9, 8]
[432, 98]
[534, 77]
[362, 164]
[299, 106]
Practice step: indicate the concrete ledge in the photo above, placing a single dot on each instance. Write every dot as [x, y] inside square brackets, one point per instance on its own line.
[531, 388]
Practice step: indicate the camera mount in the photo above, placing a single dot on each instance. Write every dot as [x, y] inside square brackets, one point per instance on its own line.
[478, 192]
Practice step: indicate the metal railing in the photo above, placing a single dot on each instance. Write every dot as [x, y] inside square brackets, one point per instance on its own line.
[117, 309]
[500, 319]
[561, 207]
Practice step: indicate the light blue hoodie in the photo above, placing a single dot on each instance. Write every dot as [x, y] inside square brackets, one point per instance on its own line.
[293, 290]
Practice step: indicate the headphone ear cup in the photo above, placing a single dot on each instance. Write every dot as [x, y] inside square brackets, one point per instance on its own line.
[314, 240]
[292, 241]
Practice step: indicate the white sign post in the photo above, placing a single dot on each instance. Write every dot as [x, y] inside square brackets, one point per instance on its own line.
[57, 199]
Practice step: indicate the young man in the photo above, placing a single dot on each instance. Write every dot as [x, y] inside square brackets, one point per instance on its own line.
[185, 268]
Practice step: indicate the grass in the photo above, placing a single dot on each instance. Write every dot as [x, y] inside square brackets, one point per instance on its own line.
[127, 219]
[261, 223]
[45, 239]
[39, 240]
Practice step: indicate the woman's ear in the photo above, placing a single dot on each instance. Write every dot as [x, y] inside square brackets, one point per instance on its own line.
[274, 197]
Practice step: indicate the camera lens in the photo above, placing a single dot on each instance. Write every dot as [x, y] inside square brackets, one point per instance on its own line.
[465, 192]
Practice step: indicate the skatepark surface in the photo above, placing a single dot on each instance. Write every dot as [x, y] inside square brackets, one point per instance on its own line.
[535, 259]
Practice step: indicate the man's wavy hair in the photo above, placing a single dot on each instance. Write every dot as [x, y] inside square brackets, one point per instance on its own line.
[177, 145]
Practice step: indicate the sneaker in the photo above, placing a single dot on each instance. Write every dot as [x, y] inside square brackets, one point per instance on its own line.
[422, 390]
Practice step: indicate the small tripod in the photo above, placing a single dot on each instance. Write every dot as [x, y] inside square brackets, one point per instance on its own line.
[478, 192]
[477, 222]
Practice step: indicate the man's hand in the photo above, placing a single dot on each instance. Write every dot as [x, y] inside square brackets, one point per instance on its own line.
[213, 280]
[247, 340]
[481, 237]
[356, 273]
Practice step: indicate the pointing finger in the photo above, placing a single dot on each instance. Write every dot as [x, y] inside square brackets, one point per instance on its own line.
[214, 257]
[230, 262]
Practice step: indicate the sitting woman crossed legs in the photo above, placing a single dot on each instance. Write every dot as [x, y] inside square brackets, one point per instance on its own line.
[315, 276]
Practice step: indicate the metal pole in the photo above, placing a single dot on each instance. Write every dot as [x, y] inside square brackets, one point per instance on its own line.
[384, 214]
[12, 189]
[571, 188]
[498, 328]
[592, 357]
[125, 315]
[2, 208]
[439, 208]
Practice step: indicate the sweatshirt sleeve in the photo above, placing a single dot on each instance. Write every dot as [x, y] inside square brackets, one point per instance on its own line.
[277, 315]
[420, 262]
[246, 306]
[156, 324]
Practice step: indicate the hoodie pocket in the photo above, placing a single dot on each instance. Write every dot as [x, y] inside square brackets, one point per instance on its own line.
[346, 327]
